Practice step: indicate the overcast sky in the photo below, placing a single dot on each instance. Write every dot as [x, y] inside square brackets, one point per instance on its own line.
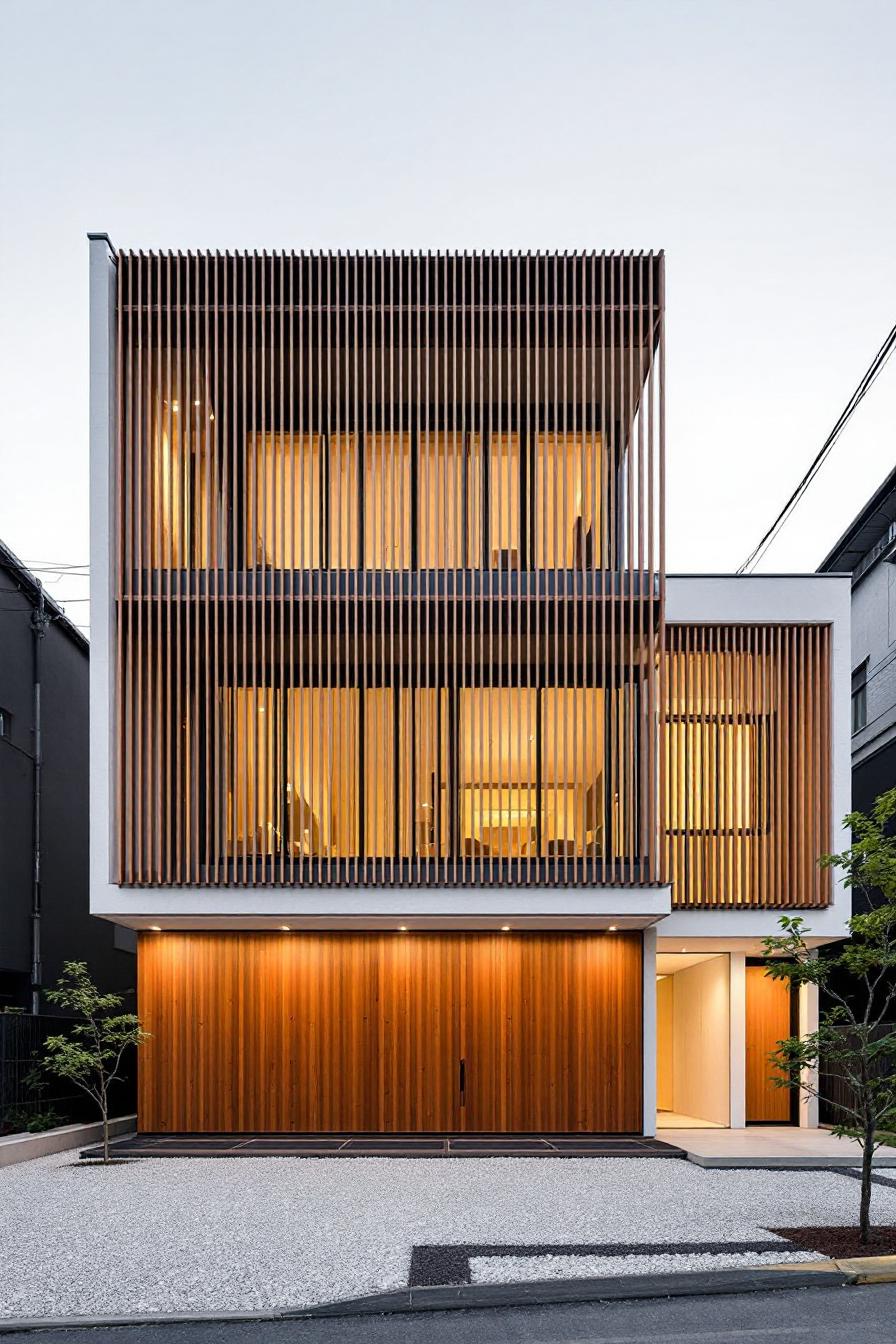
[753, 141]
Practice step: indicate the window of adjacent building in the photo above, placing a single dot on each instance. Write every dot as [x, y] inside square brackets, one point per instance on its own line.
[860, 697]
[5, 723]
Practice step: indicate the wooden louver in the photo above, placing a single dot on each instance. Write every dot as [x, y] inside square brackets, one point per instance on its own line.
[746, 734]
[389, 568]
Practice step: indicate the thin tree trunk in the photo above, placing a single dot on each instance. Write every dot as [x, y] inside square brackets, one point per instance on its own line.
[865, 1206]
[105, 1130]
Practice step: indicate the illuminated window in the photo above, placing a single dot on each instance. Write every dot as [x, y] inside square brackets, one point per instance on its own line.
[185, 514]
[531, 772]
[406, 755]
[293, 775]
[387, 501]
[449, 501]
[717, 775]
[567, 501]
[302, 501]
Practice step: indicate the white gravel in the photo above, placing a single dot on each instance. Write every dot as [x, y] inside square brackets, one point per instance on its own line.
[517, 1269]
[224, 1234]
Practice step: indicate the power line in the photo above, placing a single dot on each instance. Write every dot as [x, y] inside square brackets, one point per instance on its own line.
[874, 369]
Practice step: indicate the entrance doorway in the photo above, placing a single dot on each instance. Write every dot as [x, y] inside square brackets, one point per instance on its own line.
[692, 1040]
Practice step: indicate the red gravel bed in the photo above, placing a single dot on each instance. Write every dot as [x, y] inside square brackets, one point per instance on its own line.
[839, 1243]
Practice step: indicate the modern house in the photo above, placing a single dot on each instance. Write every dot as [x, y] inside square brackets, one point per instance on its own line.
[436, 803]
[45, 915]
[867, 552]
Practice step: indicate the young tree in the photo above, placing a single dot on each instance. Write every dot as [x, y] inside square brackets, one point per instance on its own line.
[91, 1054]
[855, 1040]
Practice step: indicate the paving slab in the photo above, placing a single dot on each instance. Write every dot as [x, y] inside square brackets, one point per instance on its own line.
[772, 1146]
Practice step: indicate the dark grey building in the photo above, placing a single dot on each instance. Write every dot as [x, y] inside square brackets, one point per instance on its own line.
[44, 896]
[867, 551]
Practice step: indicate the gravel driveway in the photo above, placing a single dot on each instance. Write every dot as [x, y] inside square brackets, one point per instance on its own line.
[181, 1234]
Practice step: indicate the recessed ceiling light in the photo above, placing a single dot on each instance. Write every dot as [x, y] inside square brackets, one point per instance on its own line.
[155, 928]
[684, 949]
[284, 928]
[612, 928]
[402, 928]
[505, 928]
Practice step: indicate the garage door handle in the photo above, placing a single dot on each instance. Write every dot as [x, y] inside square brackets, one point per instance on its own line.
[463, 1082]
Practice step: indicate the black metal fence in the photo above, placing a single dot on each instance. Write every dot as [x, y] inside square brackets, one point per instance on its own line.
[835, 1089]
[33, 1098]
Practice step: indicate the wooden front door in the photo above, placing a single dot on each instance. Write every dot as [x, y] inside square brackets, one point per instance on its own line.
[390, 1033]
[767, 1022]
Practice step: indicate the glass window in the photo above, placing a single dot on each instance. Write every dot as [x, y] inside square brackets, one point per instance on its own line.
[449, 501]
[860, 697]
[293, 776]
[302, 501]
[185, 515]
[567, 501]
[720, 784]
[531, 772]
[252, 761]
[322, 772]
[572, 755]
[387, 501]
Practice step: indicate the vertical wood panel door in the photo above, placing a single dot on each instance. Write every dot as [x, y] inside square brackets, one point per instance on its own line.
[767, 1022]
[390, 1033]
[552, 1033]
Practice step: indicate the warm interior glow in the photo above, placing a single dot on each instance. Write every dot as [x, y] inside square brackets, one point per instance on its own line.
[508, 740]
[715, 767]
[568, 501]
[185, 514]
[387, 500]
[449, 500]
[302, 501]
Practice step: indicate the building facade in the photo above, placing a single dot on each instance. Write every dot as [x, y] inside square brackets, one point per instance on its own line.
[437, 805]
[45, 915]
[867, 553]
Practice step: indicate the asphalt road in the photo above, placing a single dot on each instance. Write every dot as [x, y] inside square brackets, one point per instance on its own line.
[808, 1316]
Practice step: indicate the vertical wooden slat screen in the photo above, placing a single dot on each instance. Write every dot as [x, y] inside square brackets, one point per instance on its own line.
[746, 731]
[389, 559]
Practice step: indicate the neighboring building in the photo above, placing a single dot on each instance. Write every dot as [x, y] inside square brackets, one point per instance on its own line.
[436, 804]
[867, 552]
[44, 873]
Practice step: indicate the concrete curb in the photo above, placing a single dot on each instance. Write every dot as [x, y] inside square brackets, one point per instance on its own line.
[23, 1147]
[474, 1296]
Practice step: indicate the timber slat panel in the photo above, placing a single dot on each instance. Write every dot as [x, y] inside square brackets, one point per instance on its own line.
[746, 732]
[366, 1032]
[350, 486]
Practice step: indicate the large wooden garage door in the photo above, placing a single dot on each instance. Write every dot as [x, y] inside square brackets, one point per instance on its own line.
[391, 1033]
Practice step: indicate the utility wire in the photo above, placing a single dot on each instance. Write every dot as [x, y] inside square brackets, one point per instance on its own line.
[874, 369]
